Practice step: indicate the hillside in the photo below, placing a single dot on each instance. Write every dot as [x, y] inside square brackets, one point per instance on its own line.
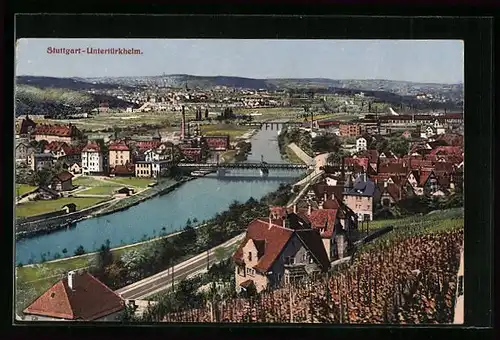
[63, 83]
[59, 101]
[180, 80]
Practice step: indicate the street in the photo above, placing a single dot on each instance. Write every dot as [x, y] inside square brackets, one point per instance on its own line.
[163, 280]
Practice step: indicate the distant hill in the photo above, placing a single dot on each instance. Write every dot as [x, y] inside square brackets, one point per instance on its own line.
[58, 102]
[180, 80]
[63, 83]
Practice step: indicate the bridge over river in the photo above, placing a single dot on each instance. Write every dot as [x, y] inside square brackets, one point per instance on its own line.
[243, 165]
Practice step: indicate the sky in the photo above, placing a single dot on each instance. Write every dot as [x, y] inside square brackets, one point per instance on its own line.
[433, 61]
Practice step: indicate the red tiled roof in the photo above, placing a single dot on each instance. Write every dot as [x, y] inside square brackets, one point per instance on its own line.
[275, 239]
[147, 144]
[424, 176]
[89, 300]
[56, 146]
[118, 146]
[453, 150]
[323, 218]
[361, 161]
[91, 147]
[56, 130]
[392, 168]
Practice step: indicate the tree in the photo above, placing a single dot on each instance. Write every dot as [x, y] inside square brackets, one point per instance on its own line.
[79, 251]
[326, 143]
[42, 177]
[104, 258]
[399, 146]
[335, 158]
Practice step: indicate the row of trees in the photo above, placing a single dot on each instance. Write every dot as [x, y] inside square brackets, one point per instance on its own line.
[162, 253]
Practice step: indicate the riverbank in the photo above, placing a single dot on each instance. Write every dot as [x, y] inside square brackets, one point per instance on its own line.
[46, 226]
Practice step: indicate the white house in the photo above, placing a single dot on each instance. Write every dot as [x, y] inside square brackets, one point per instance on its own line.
[361, 144]
[159, 159]
[92, 159]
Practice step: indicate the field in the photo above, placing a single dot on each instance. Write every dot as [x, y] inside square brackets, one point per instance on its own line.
[234, 131]
[101, 190]
[40, 207]
[21, 189]
[133, 181]
[89, 182]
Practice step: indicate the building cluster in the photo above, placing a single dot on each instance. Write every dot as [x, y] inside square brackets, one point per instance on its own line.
[117, 157]
[293, 242]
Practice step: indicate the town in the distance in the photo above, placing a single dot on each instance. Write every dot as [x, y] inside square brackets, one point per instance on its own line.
[180, 198]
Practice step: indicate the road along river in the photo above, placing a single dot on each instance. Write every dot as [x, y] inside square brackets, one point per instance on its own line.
[199, 199]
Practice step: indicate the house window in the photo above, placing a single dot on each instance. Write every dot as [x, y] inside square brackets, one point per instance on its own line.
[250, 271]
[250, 256]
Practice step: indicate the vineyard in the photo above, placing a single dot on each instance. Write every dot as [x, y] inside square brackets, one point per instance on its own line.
[406, 277]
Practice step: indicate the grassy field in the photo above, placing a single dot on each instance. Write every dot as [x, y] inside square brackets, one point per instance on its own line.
[39, 207]
[21, 189]
[101, 190]
[234, 131]
[133, 181]
[89, 182]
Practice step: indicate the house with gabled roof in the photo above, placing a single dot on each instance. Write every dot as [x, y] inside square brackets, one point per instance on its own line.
[77, 297]
[362, 197]
[423, 181]
[62, 181]
[276, 251]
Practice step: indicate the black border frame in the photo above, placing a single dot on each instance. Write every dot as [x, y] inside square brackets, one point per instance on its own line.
[477, 34]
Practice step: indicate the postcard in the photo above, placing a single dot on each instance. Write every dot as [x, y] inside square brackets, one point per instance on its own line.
[239, 181]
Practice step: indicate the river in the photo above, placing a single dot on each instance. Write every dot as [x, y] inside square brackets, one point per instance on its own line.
[198, 199]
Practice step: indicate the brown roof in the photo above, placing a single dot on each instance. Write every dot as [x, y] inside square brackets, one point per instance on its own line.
[321, 188]
[331, 204]
[275, 237]
[64, 176]
[246, 284]
[89, 300]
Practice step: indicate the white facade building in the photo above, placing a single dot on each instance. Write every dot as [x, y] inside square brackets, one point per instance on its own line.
[92, 159]
[361, 144]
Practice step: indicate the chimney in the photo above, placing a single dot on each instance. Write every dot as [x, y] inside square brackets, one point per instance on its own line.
[270, 222]
[309, 209]
[183, 122]
[284, 221]
[295, 208]
[71, 280]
